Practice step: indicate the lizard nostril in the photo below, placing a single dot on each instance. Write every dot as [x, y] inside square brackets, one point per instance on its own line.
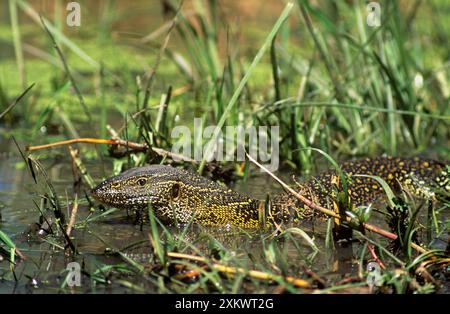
[98, 191]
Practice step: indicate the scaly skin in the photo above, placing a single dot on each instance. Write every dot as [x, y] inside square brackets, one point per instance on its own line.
[176, 195]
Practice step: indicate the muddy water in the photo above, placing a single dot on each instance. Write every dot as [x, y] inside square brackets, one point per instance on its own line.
[44, 269]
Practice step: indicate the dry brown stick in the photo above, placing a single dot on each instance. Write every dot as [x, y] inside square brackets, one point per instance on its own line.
[73, 215]
[19, 253]
[159, 151]
[256, 274]
[131, 145]
[331, 213]
[135, 146]
[375, 256]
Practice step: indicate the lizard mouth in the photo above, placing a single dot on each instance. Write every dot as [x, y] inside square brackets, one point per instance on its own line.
[119, 199]
[99, 193]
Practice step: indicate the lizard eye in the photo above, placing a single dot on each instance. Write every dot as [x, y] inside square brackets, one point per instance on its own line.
[142, 181]
[176, 191]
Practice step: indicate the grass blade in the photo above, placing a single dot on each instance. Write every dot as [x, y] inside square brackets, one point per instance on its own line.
[268, 41]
